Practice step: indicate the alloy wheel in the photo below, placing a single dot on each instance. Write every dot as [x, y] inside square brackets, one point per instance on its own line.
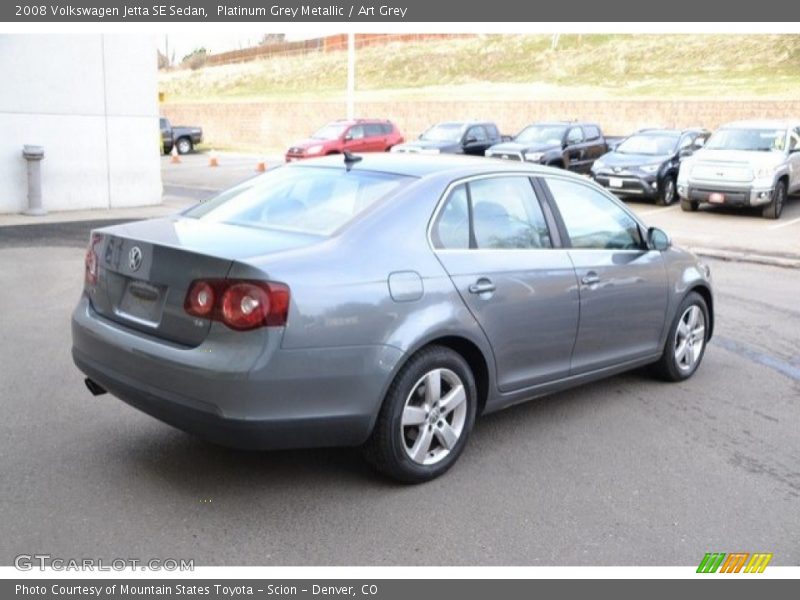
[690, 338]
[433, 416]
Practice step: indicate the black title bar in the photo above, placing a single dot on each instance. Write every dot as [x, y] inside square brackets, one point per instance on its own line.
[443, 11]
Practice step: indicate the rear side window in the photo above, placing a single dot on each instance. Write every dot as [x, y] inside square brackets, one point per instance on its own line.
[314, 200]
[374, 129]
[492, 213]
[492, 131]
[386, 128]
[451, 230]
[592, 219]
[592, 132]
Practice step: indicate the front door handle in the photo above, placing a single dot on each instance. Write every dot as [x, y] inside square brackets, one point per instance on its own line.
[590, 278]
[482, 286]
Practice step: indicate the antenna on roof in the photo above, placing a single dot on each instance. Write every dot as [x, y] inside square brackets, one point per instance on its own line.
[351, 159]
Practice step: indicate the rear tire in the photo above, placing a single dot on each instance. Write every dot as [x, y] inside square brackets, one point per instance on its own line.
[184, 145]
[688, 205]
[668, 192]
[774, 209]
[686, 340]
[426, 417]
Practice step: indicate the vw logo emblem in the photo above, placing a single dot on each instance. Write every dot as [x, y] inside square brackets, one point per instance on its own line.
[135, 258]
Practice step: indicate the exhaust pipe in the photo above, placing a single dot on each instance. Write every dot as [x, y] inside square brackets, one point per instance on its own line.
[95, 388]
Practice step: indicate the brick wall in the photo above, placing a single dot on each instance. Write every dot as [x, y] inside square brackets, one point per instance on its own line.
[270, 126]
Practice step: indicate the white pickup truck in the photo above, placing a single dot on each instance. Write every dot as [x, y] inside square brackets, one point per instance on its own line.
[747, 163]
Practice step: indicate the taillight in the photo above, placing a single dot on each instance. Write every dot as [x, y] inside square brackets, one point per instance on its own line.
[91, 261]
[239, 304]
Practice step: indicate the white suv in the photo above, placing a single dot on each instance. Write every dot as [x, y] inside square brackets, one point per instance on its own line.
[747, 163]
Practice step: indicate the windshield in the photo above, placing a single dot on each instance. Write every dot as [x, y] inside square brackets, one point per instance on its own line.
[541, 134]
[331, 131]
[314, 200]
[653, 145]
[761, 140]
[443, 132]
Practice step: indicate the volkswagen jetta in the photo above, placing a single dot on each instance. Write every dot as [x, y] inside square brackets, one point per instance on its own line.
[385, 302]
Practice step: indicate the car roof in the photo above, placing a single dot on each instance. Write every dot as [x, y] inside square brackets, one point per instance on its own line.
[360, 121]
[468, 123]
[761, 124]
[423, 165]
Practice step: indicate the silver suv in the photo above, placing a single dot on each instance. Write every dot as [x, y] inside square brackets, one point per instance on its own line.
[747, 163]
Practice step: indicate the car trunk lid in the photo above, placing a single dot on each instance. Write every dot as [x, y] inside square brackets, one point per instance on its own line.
[146, 269]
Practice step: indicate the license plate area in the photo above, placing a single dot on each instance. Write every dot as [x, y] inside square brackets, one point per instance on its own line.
[142, 302]
[716, 198]
[615, 182]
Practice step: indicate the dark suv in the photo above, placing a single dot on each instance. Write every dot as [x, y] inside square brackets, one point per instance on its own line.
[563, 144]
[357, 135]
[455, 137]
[646, 163]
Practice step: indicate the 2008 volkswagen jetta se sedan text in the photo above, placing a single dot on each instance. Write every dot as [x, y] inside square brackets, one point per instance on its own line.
[384, 302]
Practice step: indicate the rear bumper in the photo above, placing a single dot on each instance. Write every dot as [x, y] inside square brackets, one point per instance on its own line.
[221, 392]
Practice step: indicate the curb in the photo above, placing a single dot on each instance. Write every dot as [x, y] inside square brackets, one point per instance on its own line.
[787, 262]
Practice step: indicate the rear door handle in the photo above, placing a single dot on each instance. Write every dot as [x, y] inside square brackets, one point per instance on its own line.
[482, 286]
[590, 278]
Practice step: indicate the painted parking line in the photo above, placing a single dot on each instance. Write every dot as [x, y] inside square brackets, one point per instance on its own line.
[656, 210]
[785, 224]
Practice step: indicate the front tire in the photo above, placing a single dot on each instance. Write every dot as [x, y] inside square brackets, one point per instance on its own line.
[774, 209]
[668, 192]
[426, 417]
[686, 341]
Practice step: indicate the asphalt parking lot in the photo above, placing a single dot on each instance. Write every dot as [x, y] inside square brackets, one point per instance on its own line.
[626, 471]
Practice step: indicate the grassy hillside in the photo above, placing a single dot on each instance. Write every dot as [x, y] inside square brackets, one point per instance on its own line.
[518, 66]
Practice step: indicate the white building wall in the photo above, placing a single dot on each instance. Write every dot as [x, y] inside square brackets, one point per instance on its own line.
[92, 102]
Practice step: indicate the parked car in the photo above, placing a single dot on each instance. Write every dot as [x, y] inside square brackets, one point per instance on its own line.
[358, 135]
[374, 301]
[455, 137]
[183, 137]
[646, 164]
[743, 164]
[563, 144]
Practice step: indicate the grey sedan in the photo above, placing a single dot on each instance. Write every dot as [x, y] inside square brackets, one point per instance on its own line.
[383, 302]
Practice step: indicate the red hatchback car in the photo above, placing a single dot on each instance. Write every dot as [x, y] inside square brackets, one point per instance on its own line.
[358, 135]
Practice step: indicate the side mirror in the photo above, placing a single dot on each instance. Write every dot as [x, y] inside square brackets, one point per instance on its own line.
[348, 138]
[684, 152]
[657, 239]
[470, 140]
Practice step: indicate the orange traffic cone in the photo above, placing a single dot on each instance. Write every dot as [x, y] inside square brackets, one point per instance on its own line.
[173, 156]
[261, 166]
[212, 159]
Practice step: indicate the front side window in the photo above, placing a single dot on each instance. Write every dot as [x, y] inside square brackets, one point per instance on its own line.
[356, 132]
[477, 133]
[593, 220]
[313, 200]
[575, 135]
[492, 213]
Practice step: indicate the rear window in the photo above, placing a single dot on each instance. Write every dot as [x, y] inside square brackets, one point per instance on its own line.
[314, 200]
